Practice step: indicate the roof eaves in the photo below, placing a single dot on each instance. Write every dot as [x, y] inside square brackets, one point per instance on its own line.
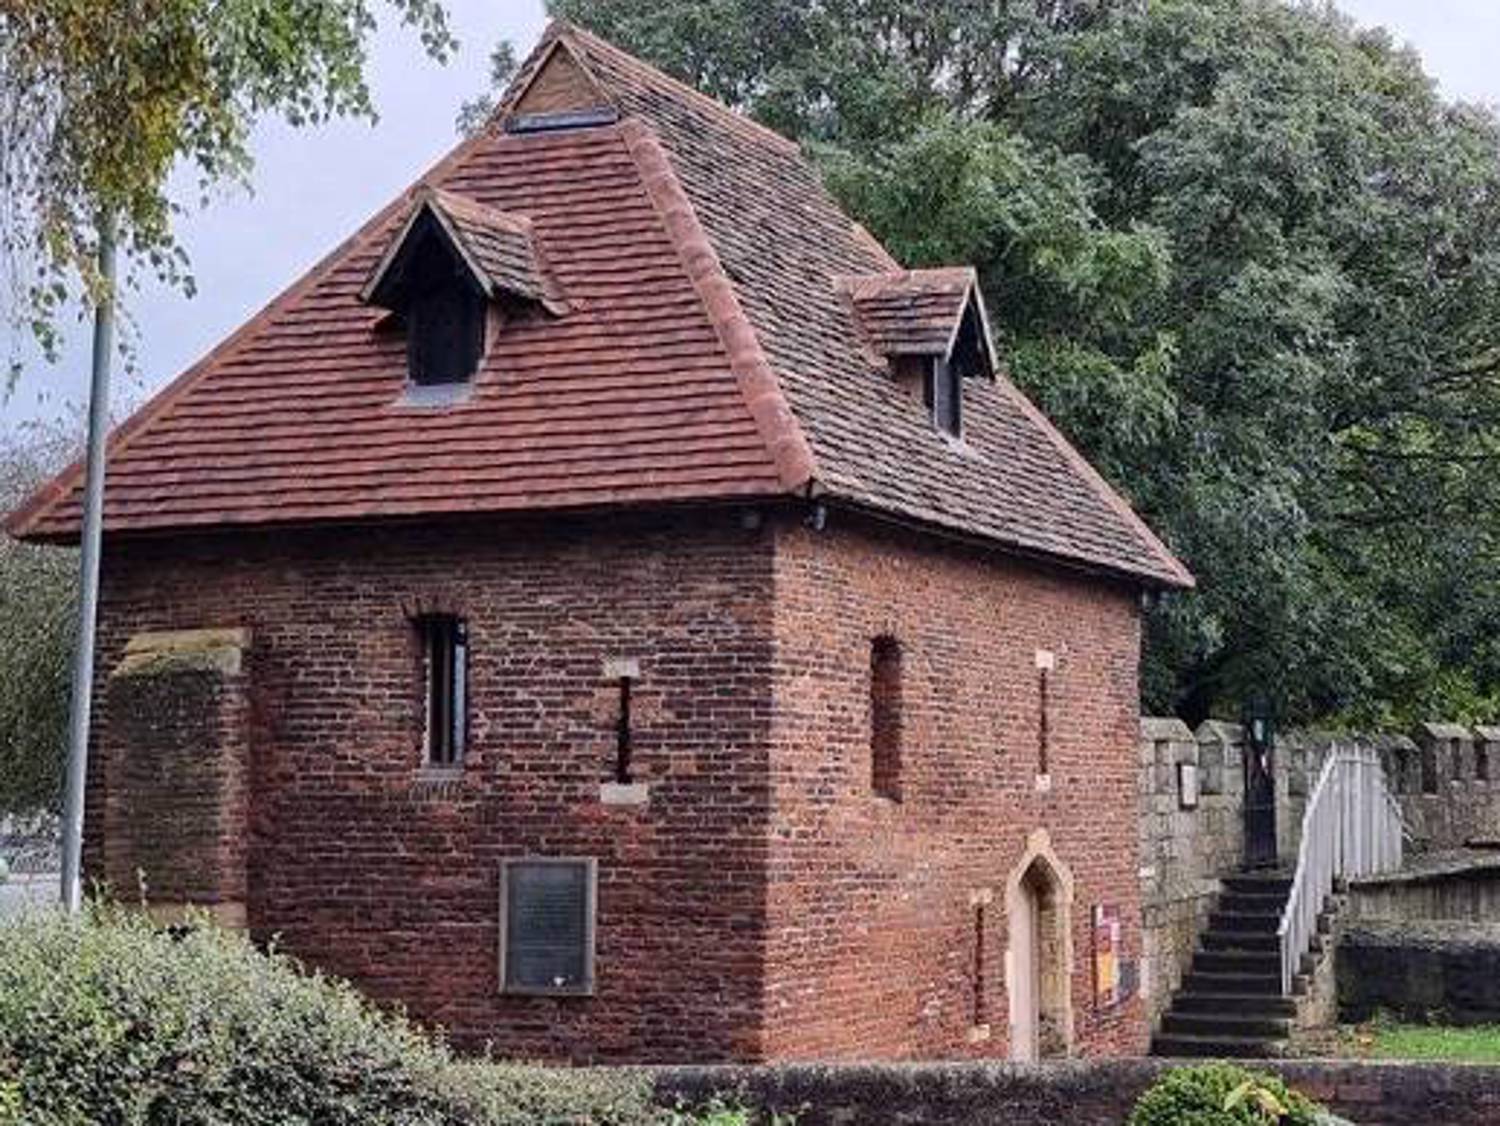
[22, 522]
[778, 426]
[1171, 571]
[1075, 562]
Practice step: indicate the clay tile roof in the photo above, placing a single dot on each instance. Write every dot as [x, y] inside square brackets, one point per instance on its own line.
[497, 244]
[714, 343]
[914, 312]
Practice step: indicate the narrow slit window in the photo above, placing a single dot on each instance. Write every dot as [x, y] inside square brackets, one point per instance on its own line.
[547, 913]
[1044, 732]
[1481, 760]
[445, 642]
[885, 717]
[623, 748]
[980, 1015]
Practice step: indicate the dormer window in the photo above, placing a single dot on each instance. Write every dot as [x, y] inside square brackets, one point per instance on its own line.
[444, 312]
[943, 395]
[929, 328]
[452, 261]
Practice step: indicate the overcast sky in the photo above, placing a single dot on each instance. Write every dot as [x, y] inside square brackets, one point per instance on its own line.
[314, 187]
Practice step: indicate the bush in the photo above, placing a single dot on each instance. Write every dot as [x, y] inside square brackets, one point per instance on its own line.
[1221, 1094]
[108, 1019]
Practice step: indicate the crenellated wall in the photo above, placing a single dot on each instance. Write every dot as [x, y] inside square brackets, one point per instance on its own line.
[1445, 776]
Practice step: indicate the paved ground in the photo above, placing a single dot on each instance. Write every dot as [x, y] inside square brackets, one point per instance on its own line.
[19, 892]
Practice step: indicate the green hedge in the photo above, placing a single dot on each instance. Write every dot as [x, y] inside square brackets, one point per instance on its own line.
[1222, 1094]
[107, 1019]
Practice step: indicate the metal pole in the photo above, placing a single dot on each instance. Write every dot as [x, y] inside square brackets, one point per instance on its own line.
[90, 541]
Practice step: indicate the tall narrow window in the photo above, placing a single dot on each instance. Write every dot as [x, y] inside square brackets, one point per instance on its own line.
[622, 735]
[1481, 760]
[1044, 722]
[885, 717]
[942, 391]
[547, 909]
[445, 641]
[981, 1013]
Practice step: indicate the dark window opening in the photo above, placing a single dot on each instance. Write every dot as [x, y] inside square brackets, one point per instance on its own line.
[1456, 752]
[444, 336]
[1044, 722]
[1482, 760]
[980, 1011]
[942, 393]
[622, 735]
[445, 642]
[441, 305]
[1429, 770]
[885, 717]
[547, 914]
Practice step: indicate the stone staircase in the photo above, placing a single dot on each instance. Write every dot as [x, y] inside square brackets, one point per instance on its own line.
[1231, 1004]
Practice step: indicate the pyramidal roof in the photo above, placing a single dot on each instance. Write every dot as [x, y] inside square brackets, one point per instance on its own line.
[710, 313]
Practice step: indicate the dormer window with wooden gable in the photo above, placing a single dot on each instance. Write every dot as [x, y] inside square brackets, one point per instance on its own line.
[930, 329]
[452, 263]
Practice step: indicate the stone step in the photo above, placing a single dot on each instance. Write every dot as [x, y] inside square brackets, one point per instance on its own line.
[1259, 903]
[1256, 883]
[1196, 981]
[1251, 1004]
[1240, 940]
[1234, 1026]
[1181, 1046]
[1257, 922]
[1237, 962]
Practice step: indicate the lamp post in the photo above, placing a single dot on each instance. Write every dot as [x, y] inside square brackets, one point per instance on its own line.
[90, 543]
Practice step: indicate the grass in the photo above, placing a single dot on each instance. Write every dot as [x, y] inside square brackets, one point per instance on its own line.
[1389, 1040]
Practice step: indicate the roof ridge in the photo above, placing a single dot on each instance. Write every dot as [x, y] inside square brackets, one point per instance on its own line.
[24, 518]
[1102, 488]
[743, 122]
[777, 424]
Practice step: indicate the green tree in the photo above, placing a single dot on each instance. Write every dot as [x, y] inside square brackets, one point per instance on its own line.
[1246, 256]
[36, 630]
[100, 100]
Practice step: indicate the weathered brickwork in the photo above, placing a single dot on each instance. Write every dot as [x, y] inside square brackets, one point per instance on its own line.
[764, 902]
[177, 759]
[378, 869]
[872, 920]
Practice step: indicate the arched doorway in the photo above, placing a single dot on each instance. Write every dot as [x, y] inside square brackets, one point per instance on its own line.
[1039, 965]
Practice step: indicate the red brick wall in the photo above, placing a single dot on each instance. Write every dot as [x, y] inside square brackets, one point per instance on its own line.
[837, 925]
[367, 867]
[872, 931]
[176, 755]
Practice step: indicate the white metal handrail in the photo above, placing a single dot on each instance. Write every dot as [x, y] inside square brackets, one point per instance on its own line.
[1352, 827]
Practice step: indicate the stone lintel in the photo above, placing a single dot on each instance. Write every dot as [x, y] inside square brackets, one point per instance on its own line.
[166, 651]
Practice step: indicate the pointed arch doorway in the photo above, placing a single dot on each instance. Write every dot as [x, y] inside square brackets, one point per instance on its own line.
[1039, 898]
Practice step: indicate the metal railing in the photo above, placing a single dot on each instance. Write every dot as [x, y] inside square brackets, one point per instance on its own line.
[1352, 827]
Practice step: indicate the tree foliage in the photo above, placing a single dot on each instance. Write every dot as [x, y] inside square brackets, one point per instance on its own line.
[1246, 256]
[100, 100]
[36, 631]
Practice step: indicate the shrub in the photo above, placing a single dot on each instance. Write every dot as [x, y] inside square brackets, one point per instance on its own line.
[1221, 1094]
[108, 1019]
